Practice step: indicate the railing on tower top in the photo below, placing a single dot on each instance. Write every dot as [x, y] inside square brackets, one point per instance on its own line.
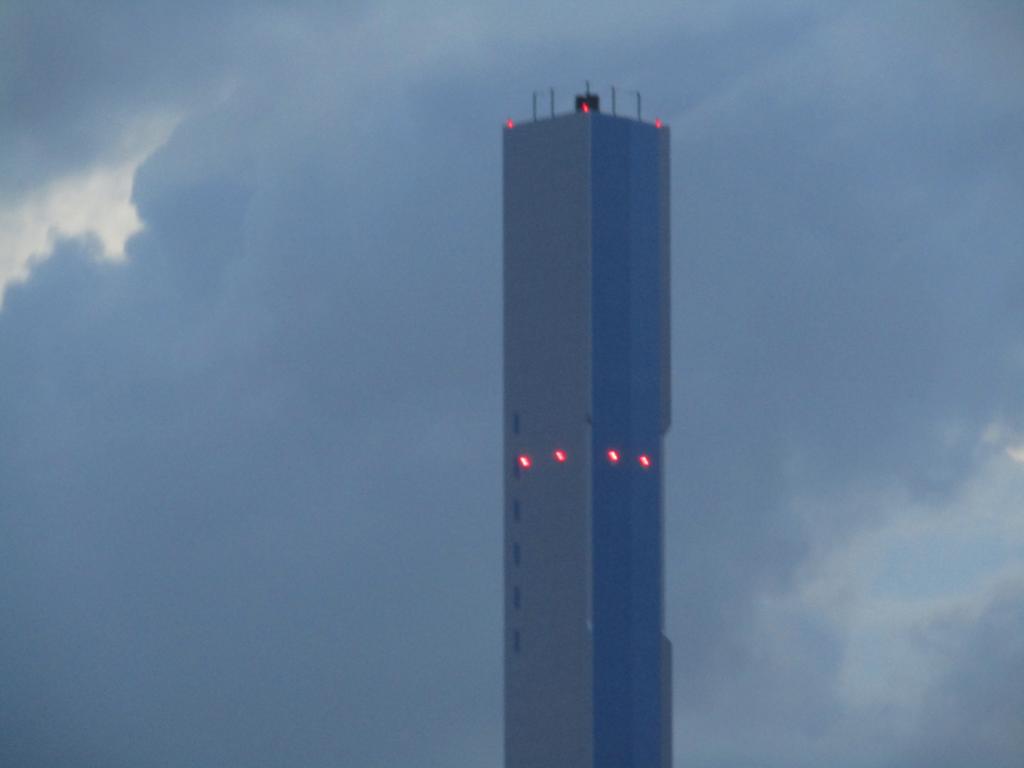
[538, 96]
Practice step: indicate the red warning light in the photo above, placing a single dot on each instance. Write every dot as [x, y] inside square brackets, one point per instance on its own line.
[613, 456]
[510, 124]
[525, 461]
[560, 456]
[657, 123]
[585, 107]
[645, 460]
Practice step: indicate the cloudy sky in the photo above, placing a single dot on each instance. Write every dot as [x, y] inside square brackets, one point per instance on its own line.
[250, 376]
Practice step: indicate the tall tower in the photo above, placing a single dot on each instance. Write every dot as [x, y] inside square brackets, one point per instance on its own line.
[586, 367]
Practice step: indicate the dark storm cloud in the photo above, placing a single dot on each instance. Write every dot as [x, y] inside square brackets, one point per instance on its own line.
[249, 479]
[844, 322]
[204, 444]
[74, 76]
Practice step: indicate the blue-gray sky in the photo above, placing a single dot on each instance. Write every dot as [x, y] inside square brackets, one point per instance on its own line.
[250, 376]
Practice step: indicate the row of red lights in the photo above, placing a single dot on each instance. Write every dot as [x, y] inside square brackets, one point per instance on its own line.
[511, 124]
[614, 457]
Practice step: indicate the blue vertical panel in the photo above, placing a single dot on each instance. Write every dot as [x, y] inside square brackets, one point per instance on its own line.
[645, 437]
[611, 527]
[626, 391]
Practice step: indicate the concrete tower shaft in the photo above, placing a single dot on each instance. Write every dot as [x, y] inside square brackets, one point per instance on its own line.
[586, 374]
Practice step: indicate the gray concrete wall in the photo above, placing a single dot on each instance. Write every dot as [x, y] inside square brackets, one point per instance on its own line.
[547, 380]
[586, 249]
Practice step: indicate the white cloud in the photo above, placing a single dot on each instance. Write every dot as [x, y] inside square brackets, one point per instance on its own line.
[997, 434]
[96, 201]
[890, 586]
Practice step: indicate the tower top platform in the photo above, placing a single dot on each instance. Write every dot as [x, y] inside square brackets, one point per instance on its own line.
[623, 103]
